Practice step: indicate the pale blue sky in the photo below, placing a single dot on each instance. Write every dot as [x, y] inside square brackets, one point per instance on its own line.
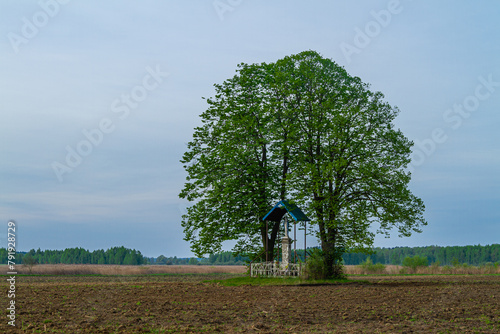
[73, 66]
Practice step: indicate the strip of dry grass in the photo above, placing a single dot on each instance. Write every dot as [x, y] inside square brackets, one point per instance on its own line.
[103, 269]
[430, 270]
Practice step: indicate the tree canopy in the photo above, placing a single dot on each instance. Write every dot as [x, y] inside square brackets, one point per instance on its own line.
[301, 129]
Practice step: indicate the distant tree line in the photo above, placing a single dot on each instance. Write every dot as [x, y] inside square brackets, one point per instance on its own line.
[449, 255]
[115, 255]
[224, 258]
[172, 260]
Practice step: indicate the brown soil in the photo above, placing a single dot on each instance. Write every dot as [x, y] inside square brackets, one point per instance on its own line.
[183, 304]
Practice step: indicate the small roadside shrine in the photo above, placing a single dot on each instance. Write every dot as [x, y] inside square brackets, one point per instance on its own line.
[286, 267]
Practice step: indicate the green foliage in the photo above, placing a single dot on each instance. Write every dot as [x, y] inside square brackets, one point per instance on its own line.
[491, 267]
[231, 175]
[223, 258]
[414, 262]
[477, 255]
[435, 265]
[115, 255]
[450, 255]
[315, 266]
[370, 268]
[29, 261]
[310, 131]
[161, 260]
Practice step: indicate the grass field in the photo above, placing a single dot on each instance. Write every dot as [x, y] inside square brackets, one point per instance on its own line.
[429, 270]
[92, 269]
[185, 302]
[98, 269]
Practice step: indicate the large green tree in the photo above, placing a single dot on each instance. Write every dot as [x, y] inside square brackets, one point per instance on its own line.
[301, 128]
[232, 174]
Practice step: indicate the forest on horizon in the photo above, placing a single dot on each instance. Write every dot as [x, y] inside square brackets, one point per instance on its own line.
[443, 255]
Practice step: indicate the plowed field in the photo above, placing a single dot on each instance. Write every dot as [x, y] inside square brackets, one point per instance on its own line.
[184, 304]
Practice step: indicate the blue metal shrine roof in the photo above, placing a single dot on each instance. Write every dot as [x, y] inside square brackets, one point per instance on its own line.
[283, 207]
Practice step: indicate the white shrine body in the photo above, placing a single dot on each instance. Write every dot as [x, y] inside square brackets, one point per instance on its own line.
[286, 248]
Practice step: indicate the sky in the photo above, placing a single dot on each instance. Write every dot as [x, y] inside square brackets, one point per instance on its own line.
[98, 100]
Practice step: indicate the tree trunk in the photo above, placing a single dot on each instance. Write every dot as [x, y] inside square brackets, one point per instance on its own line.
[329, 258]
[270, 240]
[332, 255]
